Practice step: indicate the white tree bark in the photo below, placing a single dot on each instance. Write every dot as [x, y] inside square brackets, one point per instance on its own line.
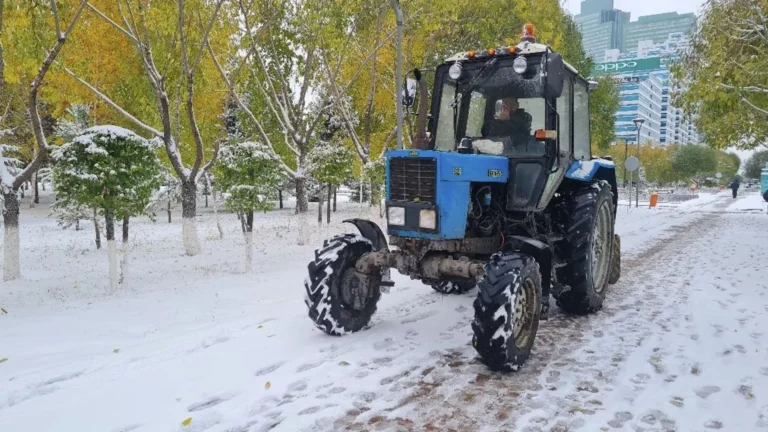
[114, 281]
[248, 251]
[189, 235]
[11, 261]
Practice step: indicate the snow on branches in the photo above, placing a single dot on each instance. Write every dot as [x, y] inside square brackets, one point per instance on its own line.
[107, 167]
[330, 163]
[251, 174]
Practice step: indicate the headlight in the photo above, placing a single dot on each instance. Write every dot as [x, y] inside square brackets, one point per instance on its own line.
[455, 71]
[520, 65]
[427, 219]
[396, 216]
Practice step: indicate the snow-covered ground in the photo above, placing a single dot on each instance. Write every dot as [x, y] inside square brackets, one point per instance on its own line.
[193, 344]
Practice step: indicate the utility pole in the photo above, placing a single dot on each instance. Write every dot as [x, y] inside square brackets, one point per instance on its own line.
[638, 124]
[399, 73]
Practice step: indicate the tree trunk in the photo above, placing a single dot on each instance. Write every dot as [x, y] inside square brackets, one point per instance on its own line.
[42, 183]
[248, 233]
[216, 214]
[335, 190]
[37, 190]
[189, 223]
[302, 205]
[320, 205]
[109, 219]
[280, 197]
[328, 207]
[375, 194]
[124, 261]
[169, 210]
[77, 224]
[11, 260]
[96, 227]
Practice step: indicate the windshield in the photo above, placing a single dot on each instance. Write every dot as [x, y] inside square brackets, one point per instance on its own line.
[499, 105]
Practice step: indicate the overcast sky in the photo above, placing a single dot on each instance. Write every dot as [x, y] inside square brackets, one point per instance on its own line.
[644, 7]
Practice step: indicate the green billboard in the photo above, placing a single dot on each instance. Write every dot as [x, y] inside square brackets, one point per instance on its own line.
[627, 66]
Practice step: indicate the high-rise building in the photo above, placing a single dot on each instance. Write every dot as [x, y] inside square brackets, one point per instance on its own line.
[602, 27]
[656, 29]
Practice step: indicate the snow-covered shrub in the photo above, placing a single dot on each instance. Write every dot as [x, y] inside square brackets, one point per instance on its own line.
[250, 174]
[109, 168]
[329, 163]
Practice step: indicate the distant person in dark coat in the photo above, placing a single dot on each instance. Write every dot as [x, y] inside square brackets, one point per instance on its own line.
[735, 186]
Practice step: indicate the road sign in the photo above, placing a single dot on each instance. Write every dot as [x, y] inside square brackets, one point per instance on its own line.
[719, 175]
[632, 164]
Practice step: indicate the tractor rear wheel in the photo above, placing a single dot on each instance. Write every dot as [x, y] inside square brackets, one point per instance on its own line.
[341, 300]
[507, 311]
[453, 287]
[587, 249]
[616, 265]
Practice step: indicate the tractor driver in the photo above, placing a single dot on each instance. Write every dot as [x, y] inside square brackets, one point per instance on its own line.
[510, 121]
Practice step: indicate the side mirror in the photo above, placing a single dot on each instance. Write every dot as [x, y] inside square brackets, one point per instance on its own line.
[409, 92]
[555, 76]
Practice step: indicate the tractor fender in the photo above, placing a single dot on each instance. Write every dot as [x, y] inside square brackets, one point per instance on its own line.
[371, 232]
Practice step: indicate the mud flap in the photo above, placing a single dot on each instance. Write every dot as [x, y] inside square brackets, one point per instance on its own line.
[373, 234]
[616, 264]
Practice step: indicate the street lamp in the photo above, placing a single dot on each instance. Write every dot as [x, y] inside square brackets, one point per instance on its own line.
[638, 124]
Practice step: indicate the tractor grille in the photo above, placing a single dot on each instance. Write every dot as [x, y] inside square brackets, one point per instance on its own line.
[412, 179]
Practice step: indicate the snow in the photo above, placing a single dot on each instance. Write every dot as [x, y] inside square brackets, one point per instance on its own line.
[681, 340]
[752, 202]
[5, 176]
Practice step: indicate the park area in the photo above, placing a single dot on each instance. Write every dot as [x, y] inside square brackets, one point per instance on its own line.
[196, 344]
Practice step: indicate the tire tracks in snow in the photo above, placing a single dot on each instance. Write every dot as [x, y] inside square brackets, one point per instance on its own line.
[561, 377]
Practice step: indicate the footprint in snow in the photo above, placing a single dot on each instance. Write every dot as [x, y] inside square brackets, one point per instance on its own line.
[641, 378]
[418, 317]
[269, 369]
[60, 378]
[677, 401]
[706, 391]
[382, 344]
[620, 418]
[300, 385]
[307, 366]
[199, 406]
[713, 424]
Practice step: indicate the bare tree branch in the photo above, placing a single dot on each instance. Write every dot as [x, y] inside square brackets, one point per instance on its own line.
[41, 147]
[56, 20]
[113, 23]
[114, 105]
[248, 112]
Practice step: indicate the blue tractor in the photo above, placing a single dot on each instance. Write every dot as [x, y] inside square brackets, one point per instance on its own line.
[500, 192]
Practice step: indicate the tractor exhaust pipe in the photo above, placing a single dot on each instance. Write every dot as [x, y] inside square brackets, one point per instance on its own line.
[421, 141]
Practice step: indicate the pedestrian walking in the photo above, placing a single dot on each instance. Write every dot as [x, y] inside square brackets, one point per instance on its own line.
[735, 186]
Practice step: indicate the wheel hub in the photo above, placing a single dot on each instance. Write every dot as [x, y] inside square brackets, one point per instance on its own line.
[600, 245]
[354, 290]
[523, 310]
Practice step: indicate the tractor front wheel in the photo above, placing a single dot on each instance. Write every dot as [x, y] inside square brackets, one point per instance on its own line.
[341, 300]
[507, 311]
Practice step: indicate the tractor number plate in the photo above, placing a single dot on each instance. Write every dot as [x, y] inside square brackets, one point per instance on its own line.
[495, 173]
[457, 171]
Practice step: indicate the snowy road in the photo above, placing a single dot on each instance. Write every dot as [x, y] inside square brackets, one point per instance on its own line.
[681, 344]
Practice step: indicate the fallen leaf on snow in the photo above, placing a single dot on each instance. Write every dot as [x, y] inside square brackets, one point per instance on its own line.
[468, 397]
[186, 421]
[116, 350]
[3, 360]
[5, 312]
[260, 327]
[267, 385]
[343, 363]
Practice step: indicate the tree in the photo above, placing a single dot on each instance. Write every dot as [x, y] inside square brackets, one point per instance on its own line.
[181, 43]
[728, 165]
[112, 169]
[68, 213]
[251, 174]
[755, 164]
[694, 162]
[331, 165]
[603, 105]
[722, 81]
[306, 41]
[11, 183]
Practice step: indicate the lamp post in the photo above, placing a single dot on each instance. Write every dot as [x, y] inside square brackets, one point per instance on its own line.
[638, 124]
